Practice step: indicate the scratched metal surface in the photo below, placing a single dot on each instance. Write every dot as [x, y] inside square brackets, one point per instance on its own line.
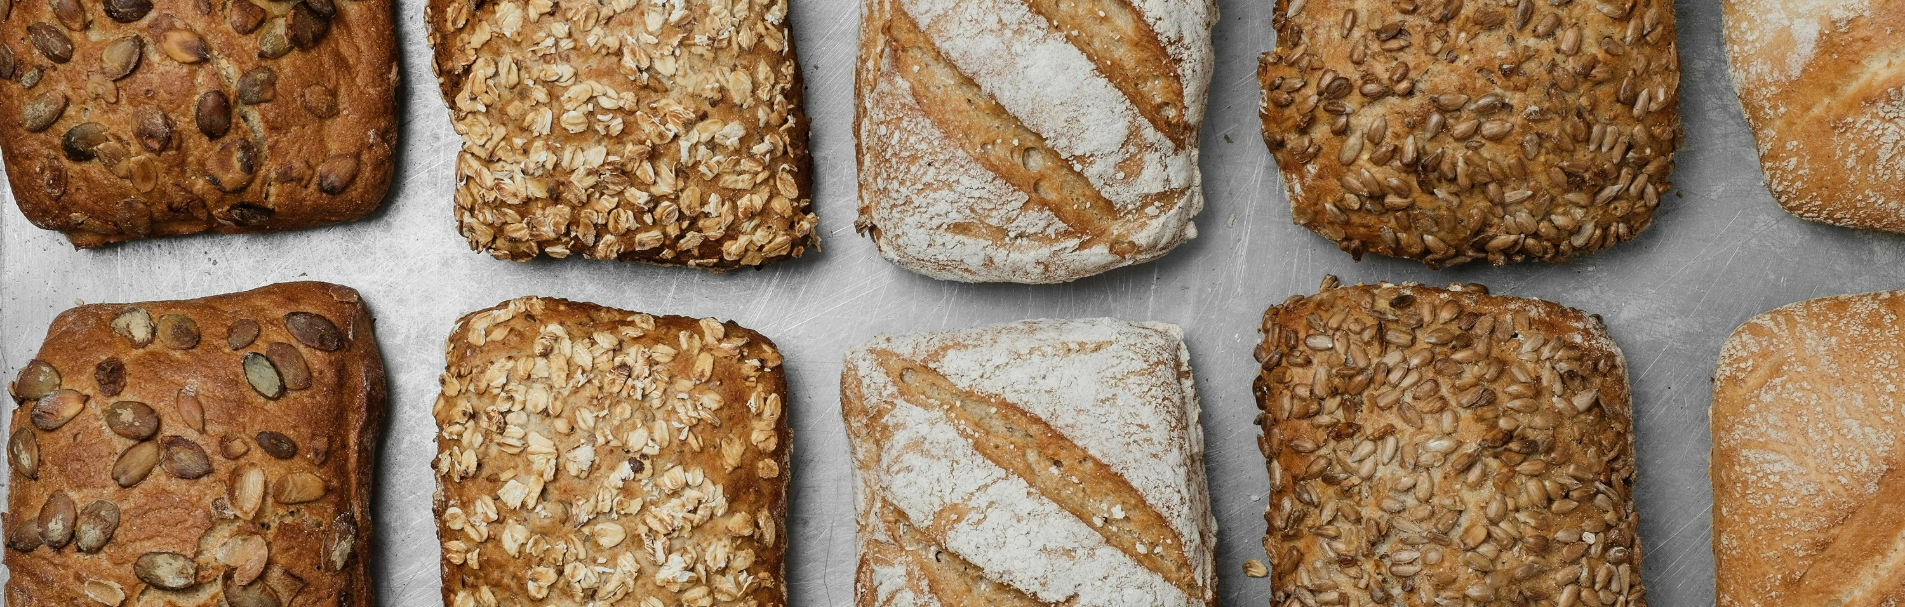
[1720, 252]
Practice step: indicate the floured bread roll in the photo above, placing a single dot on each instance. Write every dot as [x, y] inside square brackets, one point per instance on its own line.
[1808, 493]
[1035, 141]
[1038, 463]
[1824, 90]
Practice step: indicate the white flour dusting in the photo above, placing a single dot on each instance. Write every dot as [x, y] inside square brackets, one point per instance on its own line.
[1098, 383]
[914, 194]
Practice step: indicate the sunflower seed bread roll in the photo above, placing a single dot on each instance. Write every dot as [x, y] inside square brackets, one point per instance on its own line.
[1823, 92]
[1032, 141]
[129, 119]
[593, 456]
[199, 453]
[669, 133]
[1808, 499]
[1032, 464]
[1447, 131]
[1445, 447]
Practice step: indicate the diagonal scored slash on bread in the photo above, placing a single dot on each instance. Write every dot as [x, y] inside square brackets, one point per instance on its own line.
[1053, 465]
[1125, 50]
[956, 581]
[1030, 141]
[950, 99]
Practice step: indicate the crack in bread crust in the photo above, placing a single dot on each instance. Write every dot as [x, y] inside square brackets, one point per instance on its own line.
[1807, 492]
[1871, 542]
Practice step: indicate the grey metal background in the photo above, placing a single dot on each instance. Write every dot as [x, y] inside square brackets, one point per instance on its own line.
[1719, 252]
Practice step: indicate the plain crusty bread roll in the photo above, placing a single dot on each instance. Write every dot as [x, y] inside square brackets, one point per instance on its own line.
[1808, 491]
[1032, 464]
[1448, 131]
[1823, 86]
[1035, 141]
[1446, 447]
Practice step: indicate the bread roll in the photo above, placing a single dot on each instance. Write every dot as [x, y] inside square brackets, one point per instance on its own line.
[1448, 131]
[1824, 92]
[130, 119]
[669, 133]
[1034, 141]
[1808, 497]
[1045, 462]
[588, 456]
[213, 452]
[1445, 447]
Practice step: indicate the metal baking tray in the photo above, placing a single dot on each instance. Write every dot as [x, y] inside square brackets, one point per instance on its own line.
[1719, 252]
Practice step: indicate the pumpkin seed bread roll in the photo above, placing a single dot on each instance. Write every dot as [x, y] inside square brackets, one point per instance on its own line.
[1808, 497]
[1031, 464]
[1447, 131]
[593, 456]
[1824, 95]
[199, 453]
[668, 133]
[126, 119]
[1445, 447]
[1031, 141]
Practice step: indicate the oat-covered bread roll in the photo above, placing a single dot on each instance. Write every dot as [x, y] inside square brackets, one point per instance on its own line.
[213, 452]
[126, 119]
[662, 132]
[592, 456]
[1808, 497]
[1445, 447]
[1035, 141]
[1044, 462]
[1825, 95]
[1448, 131]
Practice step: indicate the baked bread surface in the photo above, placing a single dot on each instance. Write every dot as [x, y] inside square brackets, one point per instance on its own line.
[259, 413]
[593, 456]
[1046, 462]
[129, 119]
[663, 132]
[1808, 501]
[1445, 447]
[1449, 131]
[1035, 141]
[1824, 91]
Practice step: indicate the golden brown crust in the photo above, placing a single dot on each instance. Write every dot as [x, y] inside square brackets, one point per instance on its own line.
[247, 497]
[309, 134]
[1823, 92]
[1808, 497]
[592, 456]
[1453, 131]
[1445, 446]
[670, 134]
